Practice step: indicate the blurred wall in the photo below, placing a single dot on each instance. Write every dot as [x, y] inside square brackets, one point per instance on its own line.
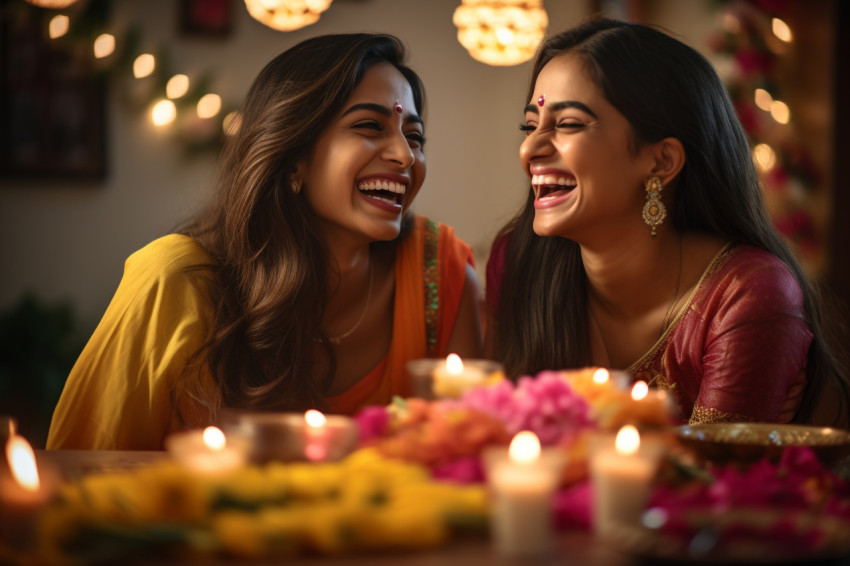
[69, 240]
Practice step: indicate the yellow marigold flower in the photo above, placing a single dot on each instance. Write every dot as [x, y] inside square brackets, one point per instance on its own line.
[253, 487]
[238, 534]
[310, 481]
[330, 527]
[402, 526]
[172, 493]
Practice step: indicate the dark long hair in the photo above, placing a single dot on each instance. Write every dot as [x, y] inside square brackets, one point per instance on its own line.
[664, 88]
[268, 282]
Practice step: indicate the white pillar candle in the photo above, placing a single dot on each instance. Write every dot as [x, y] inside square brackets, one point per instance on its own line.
[621, 476]
[522, 481]
[207, 451]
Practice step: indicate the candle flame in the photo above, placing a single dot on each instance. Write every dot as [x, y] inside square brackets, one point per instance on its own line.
[600, 375]
[525, 447]
[214, 438]
[454, 365]
[314, 418]
[640, 390]
[627, 441]
[22, 463]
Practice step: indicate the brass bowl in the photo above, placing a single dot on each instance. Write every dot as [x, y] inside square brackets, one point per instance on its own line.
[748, 442]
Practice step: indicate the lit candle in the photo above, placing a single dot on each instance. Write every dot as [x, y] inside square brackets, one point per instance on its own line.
[621, 476]
[455, 377]
[652, 406]
[24, 492]
[435, 377]
[522, 482]
[207, 451]
[288, 437]
[325, 437]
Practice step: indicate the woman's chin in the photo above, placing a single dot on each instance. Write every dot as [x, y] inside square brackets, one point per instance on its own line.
[547, 229]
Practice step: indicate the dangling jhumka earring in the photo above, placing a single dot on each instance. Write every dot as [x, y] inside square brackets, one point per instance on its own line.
[295, 186]
[654, 210]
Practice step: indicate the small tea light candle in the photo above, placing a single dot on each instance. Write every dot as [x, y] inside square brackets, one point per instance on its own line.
[621, 476]
[24, 492]
[652, 406]
[291, 437]
[522, 481]
[432, 378]
[207, 451]
[325, 437]
[453, 378]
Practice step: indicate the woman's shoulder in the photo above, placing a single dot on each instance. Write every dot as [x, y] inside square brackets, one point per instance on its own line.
[756, 273]
[172, 260]
[171, 253]
[754, 263]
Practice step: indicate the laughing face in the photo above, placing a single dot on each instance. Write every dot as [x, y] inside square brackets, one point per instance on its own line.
[586, 174]
[368, 163]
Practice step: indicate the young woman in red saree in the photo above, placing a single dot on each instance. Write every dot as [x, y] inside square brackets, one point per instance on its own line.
[644, 243]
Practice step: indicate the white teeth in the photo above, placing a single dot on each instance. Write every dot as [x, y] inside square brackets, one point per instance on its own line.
[553, 180]
[382, 184]
[389, 200]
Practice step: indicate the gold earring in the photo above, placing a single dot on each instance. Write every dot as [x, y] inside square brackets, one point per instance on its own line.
[295, 186]
[654, 210]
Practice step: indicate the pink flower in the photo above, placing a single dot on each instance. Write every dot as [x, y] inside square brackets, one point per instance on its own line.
[466, 469]
[372, 423]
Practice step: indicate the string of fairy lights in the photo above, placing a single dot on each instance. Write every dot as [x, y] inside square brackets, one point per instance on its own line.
[493, 32]
[753, 39]
[195, 114]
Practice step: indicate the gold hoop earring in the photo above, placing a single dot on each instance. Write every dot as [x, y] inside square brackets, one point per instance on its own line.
[295, 186]
[654, 210]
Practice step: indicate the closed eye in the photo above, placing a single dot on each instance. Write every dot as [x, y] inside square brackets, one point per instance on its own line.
[415, 138]
[368, 125]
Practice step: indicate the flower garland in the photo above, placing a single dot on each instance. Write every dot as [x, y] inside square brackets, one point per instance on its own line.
[751, 45]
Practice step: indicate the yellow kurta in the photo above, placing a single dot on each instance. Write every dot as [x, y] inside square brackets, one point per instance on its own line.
[119, 394]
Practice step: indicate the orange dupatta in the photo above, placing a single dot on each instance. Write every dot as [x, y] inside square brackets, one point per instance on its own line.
[430, 272]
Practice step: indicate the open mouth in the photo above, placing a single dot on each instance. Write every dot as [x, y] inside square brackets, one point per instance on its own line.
[383, 190]
[552, 186]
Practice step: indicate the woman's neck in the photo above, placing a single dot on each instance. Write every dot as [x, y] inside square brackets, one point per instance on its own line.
[629, 278]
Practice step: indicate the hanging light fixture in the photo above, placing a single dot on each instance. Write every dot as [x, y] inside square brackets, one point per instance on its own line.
[500, 32]
[51, 4]
[287, 15]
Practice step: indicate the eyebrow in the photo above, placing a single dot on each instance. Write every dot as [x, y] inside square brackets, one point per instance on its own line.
[382, 110]
[555, 106]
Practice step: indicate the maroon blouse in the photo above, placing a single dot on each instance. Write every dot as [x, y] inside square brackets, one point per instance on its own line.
[736, 346]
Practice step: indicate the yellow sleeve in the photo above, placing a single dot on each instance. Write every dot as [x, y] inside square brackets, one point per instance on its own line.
[118, 395]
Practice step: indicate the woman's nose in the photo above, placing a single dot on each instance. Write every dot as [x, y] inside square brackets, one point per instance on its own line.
[399, 151]
[536, 144]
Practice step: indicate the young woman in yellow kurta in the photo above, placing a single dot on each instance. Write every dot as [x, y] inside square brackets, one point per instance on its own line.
[307, 284]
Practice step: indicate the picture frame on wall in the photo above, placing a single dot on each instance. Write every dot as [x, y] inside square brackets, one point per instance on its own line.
[52, 105]
[213, 18]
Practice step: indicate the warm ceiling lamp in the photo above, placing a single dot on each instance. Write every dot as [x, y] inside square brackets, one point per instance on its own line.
[53, 4]
[500, 32]
[287, 15]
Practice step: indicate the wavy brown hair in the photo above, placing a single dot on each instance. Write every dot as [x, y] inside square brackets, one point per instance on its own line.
[664, 88]
[268, 281]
